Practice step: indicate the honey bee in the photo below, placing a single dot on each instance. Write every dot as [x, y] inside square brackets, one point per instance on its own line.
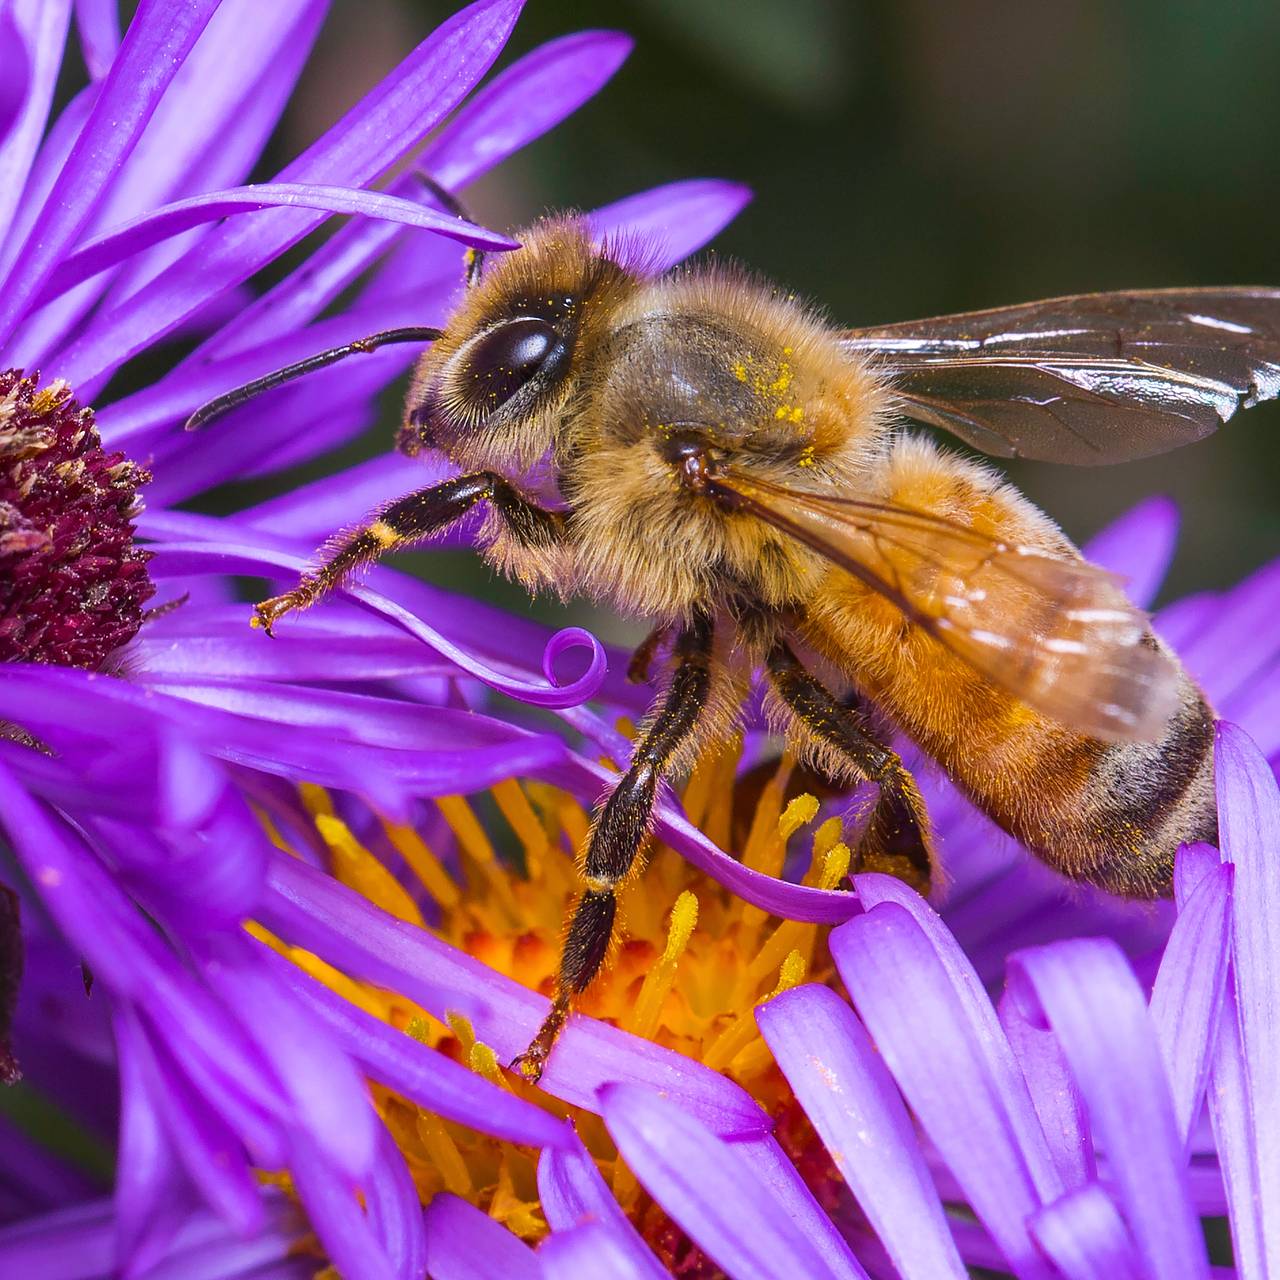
[736, 472]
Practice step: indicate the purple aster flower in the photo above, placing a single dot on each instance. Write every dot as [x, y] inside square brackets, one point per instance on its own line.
[152, 804]
[127, 781]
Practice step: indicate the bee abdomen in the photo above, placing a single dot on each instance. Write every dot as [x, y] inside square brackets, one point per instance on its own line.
[1142, 802]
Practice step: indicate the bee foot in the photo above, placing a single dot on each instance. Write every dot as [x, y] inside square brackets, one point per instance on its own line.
[268, 612]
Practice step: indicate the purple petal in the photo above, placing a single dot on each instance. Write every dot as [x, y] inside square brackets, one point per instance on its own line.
[464, 1243]
[98, 25]
[43, 24]
[153, 50]
[586, 779]
[170, 220]
[711, 1191]
[1053, 1093]
[313, 911]
[71, 1244]
[1187, 997]
[311, 512]
[850, 1098]
[407, 105]
[1249, 829]
[793, 1197]
[211, 126]
[395, 1212]
[656, 229]
[172, 399]
[1086, 1239]
[329, 1096]
[1138, 546]
[153, 1197]
[261, 560]
[981, 1018]
[1240, 638]
[420, 1074]
[932, 1043]
[524, 102]
[345, 1232]
[15, 84]
[573, 1193]
[1089, 997]
[213, 1156]
[594, 1250]
[1235, 1136]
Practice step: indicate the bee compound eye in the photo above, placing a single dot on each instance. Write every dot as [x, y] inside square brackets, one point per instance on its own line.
[506, 358]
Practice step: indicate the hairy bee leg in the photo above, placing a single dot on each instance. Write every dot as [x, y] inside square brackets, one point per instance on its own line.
[411, 519]
[899, 830]
[619, 831]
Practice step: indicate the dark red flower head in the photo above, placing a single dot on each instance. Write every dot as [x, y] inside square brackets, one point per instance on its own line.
[72, 582]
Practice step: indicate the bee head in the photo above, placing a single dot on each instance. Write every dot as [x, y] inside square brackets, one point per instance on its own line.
[493, 390]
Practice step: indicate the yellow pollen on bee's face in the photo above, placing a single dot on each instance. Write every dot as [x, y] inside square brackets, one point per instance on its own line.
[693, 965]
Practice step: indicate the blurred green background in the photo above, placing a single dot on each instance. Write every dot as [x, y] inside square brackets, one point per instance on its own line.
[920, 157]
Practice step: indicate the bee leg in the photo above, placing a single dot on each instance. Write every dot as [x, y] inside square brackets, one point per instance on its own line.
[898, 837]
[619, 831]
[411, 519]
[642, 659]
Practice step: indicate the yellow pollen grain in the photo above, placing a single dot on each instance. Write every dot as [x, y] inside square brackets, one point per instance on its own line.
[358, 869]
[424, 864]
[462, 1029]
[660, 979]
[484, 1062]
[740, 372]
[385, 535]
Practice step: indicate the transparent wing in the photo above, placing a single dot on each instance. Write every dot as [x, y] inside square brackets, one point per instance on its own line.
[1090, 379]
[1057, 633]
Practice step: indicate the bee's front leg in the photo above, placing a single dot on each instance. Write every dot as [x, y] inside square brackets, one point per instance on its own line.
[409, 520]
[620, 829]
[898, 837]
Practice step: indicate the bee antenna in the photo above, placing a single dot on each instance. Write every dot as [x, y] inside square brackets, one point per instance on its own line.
[229, 400]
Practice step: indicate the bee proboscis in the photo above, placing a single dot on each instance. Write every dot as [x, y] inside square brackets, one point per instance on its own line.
[734, 470]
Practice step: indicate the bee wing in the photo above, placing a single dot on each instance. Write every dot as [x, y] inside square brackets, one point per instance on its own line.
[1056, 633]
[1090, 379]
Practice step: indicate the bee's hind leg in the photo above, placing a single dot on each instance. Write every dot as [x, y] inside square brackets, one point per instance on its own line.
[898, 838]
[619, 831]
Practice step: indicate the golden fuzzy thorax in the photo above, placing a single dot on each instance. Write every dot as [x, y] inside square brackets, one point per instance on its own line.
[764, 385]
[709, 348]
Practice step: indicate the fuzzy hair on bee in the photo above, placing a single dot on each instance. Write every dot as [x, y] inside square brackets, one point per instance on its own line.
[703, 451]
